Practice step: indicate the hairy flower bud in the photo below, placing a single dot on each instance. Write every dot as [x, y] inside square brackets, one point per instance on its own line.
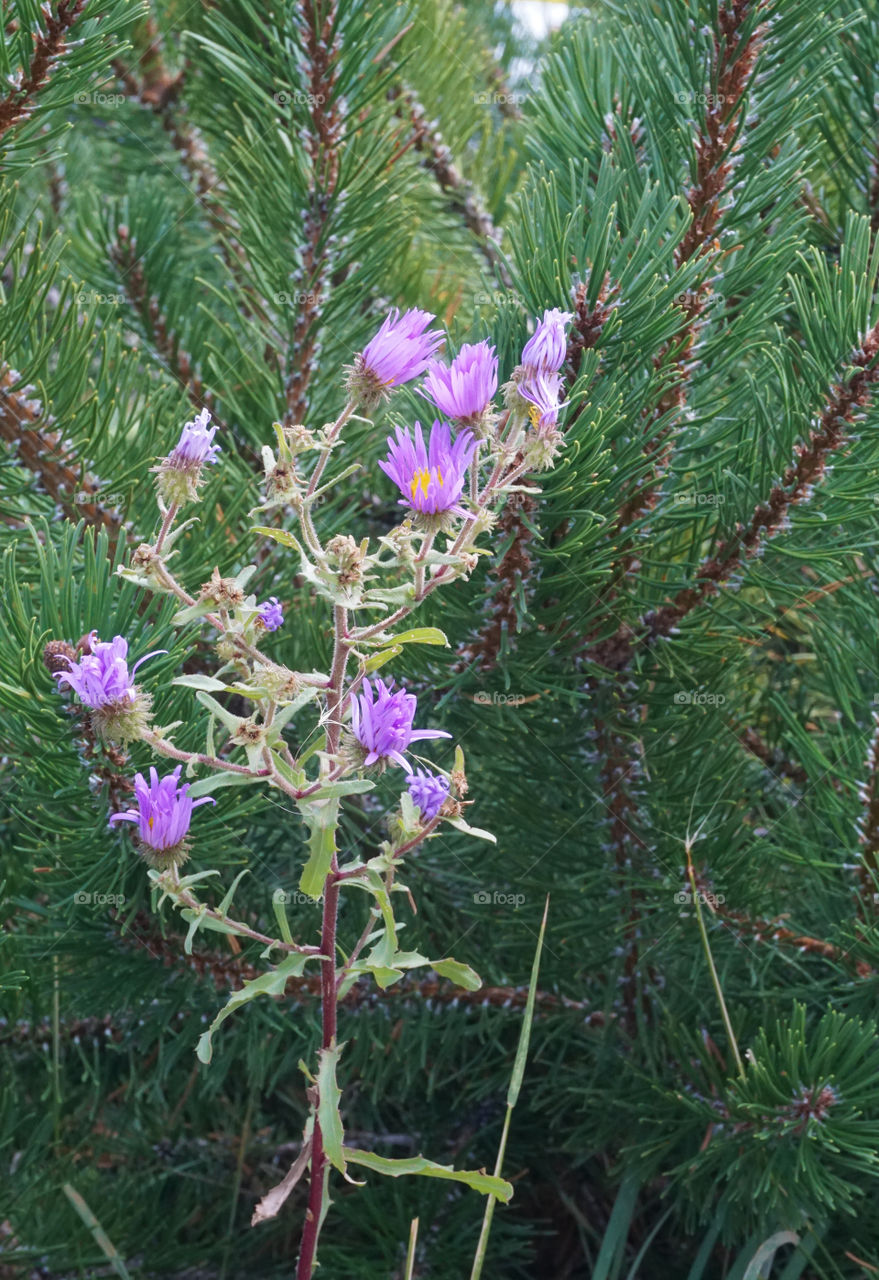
[346, 559]
[222, 591]
[58, 655]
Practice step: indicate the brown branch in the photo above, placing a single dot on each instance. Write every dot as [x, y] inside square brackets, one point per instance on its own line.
[159, 91]
[426, 140]
[512, 584]
[868, 826]
[760, 930]
[844, 406]
[776, 762]
[734, 60]
[230, 972]
[26, 427]
[49, 45]
[621, 773]
[123, 253]
[322, 51]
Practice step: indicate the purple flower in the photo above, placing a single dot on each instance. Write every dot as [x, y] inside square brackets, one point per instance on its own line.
[163, 813]
[545, 351]
[542, 392]
[101, 677]
[398, 353]
[464, 390]
[430, 478]
[429, 792]
[271, 613]
[381, 721]
[195, 445]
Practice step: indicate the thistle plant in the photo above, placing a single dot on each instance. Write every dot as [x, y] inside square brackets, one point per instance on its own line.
[321, 737]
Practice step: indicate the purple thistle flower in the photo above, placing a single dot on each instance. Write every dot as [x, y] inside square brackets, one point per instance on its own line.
[195, 445]
[381, 721]
[542, 392]
[101, 678]
[180, 473]
[545, 351]
[398, 353]
[465, 389]
[428, 792]
[271, 614]
[430, 478]
[163, 814]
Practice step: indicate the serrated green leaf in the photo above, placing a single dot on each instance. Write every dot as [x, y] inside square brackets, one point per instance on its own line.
[419, 1166]
[268, 984]
[461, 974]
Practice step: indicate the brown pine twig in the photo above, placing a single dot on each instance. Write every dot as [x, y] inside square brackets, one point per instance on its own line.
[844, 406]
[49, 45]
[28, 429]
[735, 57]
[322, 145]
[464, 199]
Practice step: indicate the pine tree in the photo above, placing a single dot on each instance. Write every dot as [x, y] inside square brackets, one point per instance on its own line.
[664, 681]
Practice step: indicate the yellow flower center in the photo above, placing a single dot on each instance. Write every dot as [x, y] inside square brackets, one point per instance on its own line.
[421, 480]
[534, 415]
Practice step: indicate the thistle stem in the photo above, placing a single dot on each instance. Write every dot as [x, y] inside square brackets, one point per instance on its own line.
[328, 986]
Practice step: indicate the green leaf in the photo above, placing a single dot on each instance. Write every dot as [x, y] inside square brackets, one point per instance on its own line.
[322, 817]
[207, 786]
[220, 713]
[461, 974]
[328, 1095]
[476, 832]
[418, 1165]
[422, 635]
[209, 683]
[384, 655]
[268, 984]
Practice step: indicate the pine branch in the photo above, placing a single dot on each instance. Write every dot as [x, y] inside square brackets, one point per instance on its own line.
[620, 773]
[24, 425]
[230, 972]
[512, 584]
[49, 45]
[124, 255]
[322, 51]
[735, 56]
[868, 825]
[844, 406]
[160, 90]
[426, 140]
[775, 761]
